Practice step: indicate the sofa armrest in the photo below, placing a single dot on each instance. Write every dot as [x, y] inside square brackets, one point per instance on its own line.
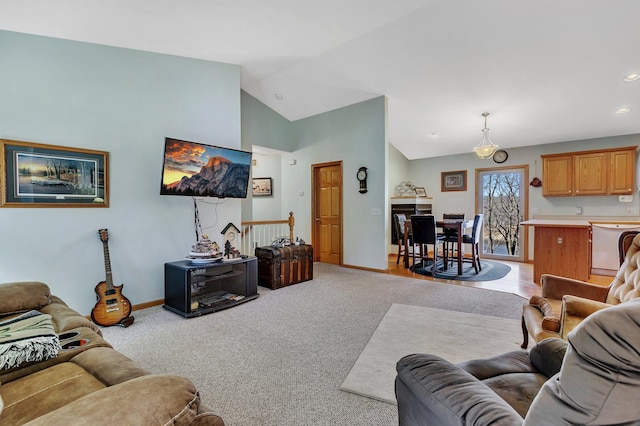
[431, 388]
[146, 400]
[581, 307]
[554, 287]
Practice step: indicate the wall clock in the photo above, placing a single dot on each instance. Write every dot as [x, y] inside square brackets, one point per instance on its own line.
[500, 156]
[362, 177]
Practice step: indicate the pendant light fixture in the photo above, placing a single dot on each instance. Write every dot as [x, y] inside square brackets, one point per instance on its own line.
[485, 149]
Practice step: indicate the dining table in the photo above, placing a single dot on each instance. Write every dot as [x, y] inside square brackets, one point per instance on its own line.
[458, 224]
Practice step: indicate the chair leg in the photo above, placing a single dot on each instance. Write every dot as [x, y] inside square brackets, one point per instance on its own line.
[435, 259]
[525, 335]
[399, 251]
[477, 251]
[474, 258]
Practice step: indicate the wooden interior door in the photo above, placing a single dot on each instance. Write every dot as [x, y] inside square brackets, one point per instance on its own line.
[327, 212]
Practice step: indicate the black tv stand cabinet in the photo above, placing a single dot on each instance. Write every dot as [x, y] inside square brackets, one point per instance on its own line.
[192, 290]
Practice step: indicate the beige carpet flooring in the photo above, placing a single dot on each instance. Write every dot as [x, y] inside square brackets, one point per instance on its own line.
[405, 329]
[280, 359]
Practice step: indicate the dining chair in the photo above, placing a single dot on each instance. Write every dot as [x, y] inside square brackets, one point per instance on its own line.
[474, 241]
[399, 220]
[424, 233]
[451, 235]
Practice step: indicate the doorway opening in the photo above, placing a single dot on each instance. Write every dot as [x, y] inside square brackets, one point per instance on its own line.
[502, 194]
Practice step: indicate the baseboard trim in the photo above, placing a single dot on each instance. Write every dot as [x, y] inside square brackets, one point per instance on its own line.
[147, 304]
[362, 268]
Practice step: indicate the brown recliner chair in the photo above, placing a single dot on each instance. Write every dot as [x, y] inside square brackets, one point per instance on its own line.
[566, 302]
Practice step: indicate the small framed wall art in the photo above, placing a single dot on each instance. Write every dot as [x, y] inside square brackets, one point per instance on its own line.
[39, 175]
[453, 181]
[262, 187]
[420, 191]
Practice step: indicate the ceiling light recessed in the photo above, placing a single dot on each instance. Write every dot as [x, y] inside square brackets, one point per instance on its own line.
[632, 77]
[434, 134]
[623, 110]
[278, 96]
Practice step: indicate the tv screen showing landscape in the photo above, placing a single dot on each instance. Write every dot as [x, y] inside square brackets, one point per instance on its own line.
[200, 170]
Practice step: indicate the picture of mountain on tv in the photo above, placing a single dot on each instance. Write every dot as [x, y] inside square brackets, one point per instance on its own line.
[199, 170]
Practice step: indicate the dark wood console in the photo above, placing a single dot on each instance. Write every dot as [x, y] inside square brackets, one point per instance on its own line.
[191, 290]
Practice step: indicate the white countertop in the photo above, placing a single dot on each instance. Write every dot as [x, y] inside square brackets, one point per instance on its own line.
[557, 222]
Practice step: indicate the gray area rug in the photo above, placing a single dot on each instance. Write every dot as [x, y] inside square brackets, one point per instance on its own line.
[280, 359]
[491, 270]
[405, 329]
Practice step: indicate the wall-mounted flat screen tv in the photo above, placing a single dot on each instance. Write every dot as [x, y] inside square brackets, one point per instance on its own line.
[199, 170]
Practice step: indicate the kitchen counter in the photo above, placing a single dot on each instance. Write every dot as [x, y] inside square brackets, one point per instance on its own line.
[561, 247]
[563, 223]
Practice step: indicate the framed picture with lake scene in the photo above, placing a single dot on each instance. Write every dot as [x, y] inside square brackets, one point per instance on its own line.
[39, 175]
[453, 181]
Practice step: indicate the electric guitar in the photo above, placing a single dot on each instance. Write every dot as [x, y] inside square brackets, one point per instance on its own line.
[112, 307]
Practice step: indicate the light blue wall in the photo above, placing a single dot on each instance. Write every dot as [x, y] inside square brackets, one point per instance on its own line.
[264, 127]
[354, 135]
[125, 102]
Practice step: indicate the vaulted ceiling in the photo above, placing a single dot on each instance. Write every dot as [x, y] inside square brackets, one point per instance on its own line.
[546, 71]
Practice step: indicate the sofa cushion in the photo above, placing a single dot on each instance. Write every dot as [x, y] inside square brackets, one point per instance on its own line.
[146, 400]
[44, 391]
[27, 337]
[91, 339]
[19, 297]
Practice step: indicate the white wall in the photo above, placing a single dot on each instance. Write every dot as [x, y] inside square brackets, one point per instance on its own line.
[124, 102]
[268, 207]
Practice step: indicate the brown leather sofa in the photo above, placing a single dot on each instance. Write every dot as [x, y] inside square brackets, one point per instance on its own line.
[596, 382]
[88, 382]
[566, 302]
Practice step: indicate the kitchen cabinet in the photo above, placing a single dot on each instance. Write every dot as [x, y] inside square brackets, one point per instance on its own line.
[561, 248]
[560, 167]
[590, 173]
[622, 166]
[600, 172]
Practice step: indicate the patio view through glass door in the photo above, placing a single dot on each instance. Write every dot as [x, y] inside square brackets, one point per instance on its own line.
[502, 197]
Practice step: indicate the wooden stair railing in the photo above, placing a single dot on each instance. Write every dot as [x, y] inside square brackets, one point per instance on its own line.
[262, 233]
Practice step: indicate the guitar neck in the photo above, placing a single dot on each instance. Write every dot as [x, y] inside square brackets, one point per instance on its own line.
[107, 266]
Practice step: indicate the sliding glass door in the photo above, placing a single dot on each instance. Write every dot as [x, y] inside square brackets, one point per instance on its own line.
[502, 197]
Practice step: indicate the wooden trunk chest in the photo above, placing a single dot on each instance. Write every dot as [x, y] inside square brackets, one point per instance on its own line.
[283, 266]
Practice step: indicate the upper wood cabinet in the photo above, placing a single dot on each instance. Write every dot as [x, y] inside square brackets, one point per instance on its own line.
[622, 168]
[557, 175]
[601, 172]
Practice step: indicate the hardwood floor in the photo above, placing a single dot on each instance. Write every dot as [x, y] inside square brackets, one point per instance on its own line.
[518, 281]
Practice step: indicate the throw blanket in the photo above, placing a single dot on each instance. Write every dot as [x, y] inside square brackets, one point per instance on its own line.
[27, 337]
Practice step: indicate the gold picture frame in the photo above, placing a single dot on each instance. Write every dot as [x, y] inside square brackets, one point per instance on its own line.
[39, 175]
[453, 181]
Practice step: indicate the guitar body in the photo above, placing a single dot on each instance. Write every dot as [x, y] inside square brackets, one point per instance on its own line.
[112, 307]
